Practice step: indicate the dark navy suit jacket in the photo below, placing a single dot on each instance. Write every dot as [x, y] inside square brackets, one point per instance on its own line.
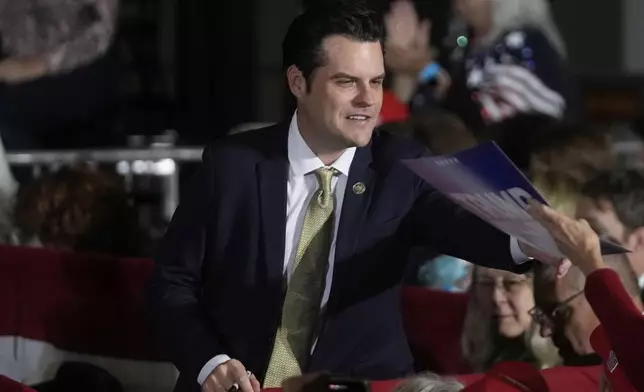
[218, 287]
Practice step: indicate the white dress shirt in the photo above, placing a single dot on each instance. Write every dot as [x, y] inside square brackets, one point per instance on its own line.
[302, 184]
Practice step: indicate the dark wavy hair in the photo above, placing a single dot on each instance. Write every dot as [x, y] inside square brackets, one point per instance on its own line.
[79, 208]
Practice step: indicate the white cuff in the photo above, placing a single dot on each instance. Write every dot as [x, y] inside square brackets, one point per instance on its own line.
[210, 366]
[517, 254]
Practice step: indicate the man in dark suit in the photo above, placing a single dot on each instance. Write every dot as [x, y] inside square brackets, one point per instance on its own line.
[287, 253]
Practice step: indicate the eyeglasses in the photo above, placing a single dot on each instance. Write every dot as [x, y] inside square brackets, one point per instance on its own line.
[507, 285]
[561, 313]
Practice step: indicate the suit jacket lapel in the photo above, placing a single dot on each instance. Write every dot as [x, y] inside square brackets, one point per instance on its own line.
[355, 206]
[272, 176]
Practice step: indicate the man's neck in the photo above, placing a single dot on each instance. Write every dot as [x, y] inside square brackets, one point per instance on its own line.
[327, 155]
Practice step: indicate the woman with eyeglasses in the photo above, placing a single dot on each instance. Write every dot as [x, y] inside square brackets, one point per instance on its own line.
[498, 326]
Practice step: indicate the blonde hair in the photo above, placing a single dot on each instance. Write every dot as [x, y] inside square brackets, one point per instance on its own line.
[479, 333]
[428, 382]
[576, 151]
[515, 14]
[560, 191]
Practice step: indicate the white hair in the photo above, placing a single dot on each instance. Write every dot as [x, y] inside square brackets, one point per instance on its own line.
[515, 14]
[429, 382]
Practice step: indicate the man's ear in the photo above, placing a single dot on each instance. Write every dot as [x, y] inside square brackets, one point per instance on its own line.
[296, 81]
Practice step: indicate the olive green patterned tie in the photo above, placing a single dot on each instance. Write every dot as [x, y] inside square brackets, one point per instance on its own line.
[301, 310]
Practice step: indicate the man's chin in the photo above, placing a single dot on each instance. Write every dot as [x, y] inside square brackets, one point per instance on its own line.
[361, 141]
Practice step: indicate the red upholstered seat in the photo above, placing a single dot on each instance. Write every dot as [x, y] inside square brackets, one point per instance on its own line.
[434, 323]
[9, 385]
[79, 302]
[63, 306]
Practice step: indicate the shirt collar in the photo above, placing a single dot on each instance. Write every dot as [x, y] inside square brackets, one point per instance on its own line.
[640, 281]
[304, 161]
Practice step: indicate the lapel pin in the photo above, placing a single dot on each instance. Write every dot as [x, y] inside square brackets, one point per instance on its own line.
[359, 188]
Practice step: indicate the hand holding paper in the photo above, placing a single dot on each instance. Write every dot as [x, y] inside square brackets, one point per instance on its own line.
[485, 182]
[563, 265]
[575, 238]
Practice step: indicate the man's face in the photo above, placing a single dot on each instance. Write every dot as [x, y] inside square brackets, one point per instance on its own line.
[602, 214]
[344, 96]
[573, 320]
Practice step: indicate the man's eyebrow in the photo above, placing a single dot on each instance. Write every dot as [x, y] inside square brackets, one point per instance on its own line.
[342, 75]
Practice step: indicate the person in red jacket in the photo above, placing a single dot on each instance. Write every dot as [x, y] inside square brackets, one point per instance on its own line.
[621, 320]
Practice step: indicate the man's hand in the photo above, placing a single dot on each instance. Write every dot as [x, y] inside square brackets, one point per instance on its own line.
[228, 373]
[574, 238]
[563, 265]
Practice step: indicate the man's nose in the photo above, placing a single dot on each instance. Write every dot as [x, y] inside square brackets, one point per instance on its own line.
[366, 96]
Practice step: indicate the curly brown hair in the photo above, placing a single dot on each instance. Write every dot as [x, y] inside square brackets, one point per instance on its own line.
[79, 208]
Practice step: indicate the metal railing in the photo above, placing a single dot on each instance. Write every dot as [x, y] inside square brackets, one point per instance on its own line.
[162, 162]
[183, 154]
[128, 162]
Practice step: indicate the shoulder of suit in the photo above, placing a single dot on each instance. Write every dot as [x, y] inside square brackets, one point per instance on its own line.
[253, 144]
[387, 145]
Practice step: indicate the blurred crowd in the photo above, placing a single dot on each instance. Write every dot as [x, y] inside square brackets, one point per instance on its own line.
[502, 77]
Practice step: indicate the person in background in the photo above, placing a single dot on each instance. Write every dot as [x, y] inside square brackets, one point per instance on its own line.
[564, 313]
[53, 65]
[428, 382]
[409, 58]
[605, 288]
[516, 136]
[45, 37]
[442, 132]
[560, 312]
[576, 151]
[498, 326]
[513, 62]
[615, 200]
[81, 209]
[510, 61]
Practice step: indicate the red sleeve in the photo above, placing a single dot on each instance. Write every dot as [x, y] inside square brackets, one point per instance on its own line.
[621, 319]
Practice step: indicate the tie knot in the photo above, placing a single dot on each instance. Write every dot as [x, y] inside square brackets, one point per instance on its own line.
[324, 175]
